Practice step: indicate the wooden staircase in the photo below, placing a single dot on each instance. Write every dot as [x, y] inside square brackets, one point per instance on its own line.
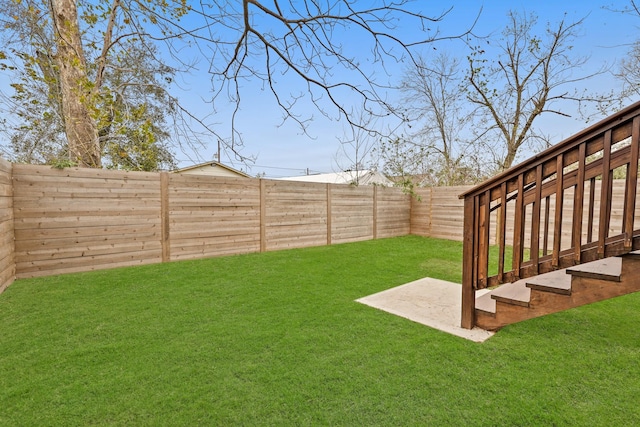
[566, 244]
[558, 290]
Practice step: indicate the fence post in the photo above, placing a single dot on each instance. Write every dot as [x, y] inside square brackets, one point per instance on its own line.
[7, 185]
[375, 211]
[263, 211]
[329, 231]
[164, 217]
[429, 228]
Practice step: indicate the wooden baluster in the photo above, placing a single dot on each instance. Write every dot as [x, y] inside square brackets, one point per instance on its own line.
[165, 215]
[535, 221]
[578, 202]
[518, 229]
[630, 187]
[485, 226]
[557, 226]
[502, 230]
[592, 202]
[468, 247]
[476, 239]
[545, 242]
[605, 195]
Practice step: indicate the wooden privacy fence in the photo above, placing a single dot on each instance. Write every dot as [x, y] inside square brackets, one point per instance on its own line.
[57, 221]
[83, 219]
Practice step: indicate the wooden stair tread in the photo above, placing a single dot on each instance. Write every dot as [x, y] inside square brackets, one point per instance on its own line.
[603, 269]
[513, 293]
[558, 282]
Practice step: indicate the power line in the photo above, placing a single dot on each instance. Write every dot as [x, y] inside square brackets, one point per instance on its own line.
[279, 168]
[250, 167]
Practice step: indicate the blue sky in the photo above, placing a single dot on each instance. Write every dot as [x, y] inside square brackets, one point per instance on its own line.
[283, 150]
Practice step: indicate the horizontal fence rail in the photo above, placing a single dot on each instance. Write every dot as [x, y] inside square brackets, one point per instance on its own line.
[76, 219]
[556, 210]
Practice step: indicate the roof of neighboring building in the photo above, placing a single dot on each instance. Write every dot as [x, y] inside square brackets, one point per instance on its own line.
[362, 177]
[208, 166]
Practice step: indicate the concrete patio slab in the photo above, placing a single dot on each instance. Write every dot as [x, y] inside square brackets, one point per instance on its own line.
[431, 302]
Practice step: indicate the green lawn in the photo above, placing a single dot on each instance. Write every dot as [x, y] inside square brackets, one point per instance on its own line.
[276, 339]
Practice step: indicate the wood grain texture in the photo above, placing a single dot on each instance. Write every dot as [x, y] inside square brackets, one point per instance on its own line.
[84, 219]
[7, 236]
[81, 219]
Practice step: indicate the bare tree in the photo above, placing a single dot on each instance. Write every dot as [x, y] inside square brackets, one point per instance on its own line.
[527, 76]
[628, 71]
[434, 101]
[357, 147]
[274, 43]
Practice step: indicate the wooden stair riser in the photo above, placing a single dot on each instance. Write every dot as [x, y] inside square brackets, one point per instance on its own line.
[583, 291]
[586, 290]
[630, 268]
[542, 303]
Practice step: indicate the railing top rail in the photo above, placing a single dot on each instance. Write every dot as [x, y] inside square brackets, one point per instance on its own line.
[551, 152]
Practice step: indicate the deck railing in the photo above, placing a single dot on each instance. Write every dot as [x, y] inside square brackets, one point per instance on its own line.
[533, 197]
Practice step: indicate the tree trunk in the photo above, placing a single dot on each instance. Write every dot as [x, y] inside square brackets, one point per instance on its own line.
[80, 126]
[511, 156]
